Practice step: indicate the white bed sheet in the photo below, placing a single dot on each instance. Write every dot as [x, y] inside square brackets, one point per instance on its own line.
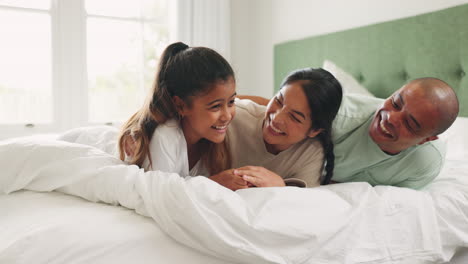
[461, 257]
[54, 228]
[48, 222]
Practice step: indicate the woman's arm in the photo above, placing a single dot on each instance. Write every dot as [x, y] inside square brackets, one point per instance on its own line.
[257, 99]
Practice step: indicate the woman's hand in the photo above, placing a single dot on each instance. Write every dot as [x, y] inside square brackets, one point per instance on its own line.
[259, 176]
[229, 180]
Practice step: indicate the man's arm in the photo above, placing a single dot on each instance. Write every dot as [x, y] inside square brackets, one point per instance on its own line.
[257, 99]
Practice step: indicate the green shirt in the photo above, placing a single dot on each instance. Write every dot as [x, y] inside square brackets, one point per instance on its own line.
[358, 158]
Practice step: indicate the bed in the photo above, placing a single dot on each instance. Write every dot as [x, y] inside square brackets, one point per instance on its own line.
[72, 201]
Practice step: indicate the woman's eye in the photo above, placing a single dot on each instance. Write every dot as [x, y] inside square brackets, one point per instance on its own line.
[394, 104]
[295, 119]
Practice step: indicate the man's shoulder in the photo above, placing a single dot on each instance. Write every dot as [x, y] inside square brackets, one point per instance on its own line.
[424, 159]
[413, 168]
[423, 164]
[419, 157]
[358, 106]
[355, 110]
[430, 152]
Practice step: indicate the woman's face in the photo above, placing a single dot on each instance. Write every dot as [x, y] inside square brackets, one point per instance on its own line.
[209, 115]
[287, 119]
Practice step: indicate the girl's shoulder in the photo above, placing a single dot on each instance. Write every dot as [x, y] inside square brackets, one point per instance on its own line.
[171, 124]
[170, 129]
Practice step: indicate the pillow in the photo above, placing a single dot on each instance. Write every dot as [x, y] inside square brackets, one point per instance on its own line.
[349, 84]
[457, 142]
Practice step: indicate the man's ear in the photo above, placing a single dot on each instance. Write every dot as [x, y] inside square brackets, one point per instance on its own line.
[179, 104]
[428, 139]
[314, 133]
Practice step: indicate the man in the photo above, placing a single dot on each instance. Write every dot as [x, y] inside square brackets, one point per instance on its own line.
[393, 141]
[397, 144]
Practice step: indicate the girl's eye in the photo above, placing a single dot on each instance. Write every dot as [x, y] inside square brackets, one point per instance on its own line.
[214, 107]
[231, 102]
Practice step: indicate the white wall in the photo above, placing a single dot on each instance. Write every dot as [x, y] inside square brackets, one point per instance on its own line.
[259, 24]
[251, 46]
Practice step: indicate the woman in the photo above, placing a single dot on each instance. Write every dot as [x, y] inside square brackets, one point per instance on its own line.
[290, 137]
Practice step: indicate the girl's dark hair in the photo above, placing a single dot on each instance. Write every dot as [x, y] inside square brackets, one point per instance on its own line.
[184, 72]
[324, 94]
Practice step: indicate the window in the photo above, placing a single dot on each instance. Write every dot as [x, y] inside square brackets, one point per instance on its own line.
[25, 67]
[68, 63]
[138, 33]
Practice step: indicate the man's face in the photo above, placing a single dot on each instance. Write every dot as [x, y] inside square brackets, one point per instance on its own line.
[407, 118]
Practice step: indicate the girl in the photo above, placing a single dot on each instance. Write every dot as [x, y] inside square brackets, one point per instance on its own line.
[182, 126]
[291, 137]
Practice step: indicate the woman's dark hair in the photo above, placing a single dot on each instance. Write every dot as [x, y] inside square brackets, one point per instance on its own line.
[324, 94]
[184, 72]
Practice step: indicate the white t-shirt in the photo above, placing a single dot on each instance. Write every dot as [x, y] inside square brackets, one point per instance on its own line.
[168, 150]
[303, 161]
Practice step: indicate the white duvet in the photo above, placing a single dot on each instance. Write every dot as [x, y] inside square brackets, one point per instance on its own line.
[341, 223]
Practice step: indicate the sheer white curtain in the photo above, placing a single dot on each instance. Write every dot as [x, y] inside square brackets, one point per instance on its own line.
[204, 23]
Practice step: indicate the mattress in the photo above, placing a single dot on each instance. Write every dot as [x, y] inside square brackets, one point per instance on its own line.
[53, 228]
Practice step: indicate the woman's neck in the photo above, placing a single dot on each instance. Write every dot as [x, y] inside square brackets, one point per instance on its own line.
[273, 149]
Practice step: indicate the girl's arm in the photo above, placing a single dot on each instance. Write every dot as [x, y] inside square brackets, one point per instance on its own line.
[260, 177]
[230, 180]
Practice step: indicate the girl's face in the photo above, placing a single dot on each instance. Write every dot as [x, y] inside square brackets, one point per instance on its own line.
[209, 115]
[287, 119]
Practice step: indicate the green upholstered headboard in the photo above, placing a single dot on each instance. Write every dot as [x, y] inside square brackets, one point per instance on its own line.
[385, 56]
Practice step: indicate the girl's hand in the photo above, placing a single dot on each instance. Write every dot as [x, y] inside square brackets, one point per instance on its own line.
[229, 180]
[259, 176]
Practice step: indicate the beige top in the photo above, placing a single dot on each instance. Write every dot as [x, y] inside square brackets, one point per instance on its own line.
[300, 163]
